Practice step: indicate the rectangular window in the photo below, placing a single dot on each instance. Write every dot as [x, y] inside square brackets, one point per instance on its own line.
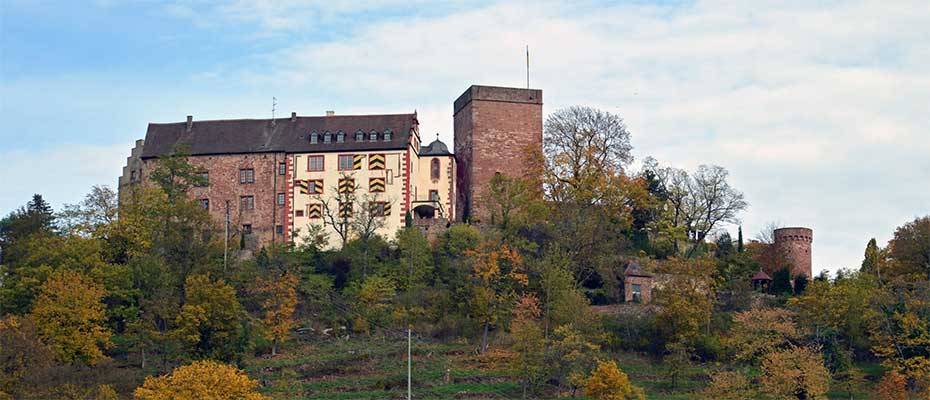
[247, 229]
[280, 199]
[246, 202]
[299, 213]
[203, 179]
[205, 203]
[279, 229]
[345, 162]
[247, 175]
[434, 195]
[315, 163]
[380, 208]
[390, 176]
[282, 168]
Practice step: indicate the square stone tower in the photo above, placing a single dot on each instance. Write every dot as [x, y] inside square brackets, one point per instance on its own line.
[494, 129]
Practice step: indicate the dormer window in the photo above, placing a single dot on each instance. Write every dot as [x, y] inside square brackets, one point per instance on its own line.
[359, 135]
[373, 135]
[327, 137]
[314, 138]
[387, 135]
[340, 137]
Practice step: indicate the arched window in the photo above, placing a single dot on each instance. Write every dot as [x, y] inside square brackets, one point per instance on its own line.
[434, 169]
[359, 135]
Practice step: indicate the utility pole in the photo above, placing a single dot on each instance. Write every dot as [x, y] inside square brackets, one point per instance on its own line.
[409, 326]
[226, 238]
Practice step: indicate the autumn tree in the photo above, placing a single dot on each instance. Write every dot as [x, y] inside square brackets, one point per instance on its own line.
[374, 302]
[201, 380]
[910, 249]
[571, 354]
[528, 342]
[872, 260]
[728, 385]
[98, 209]
[69, 317]
[210, 319]
[901, 332]
[22, 354]
[761, 331]
[608, 382]
[511, 202]
[497, 275]
[685, 309]
[279, 300]
[892, 386]
[795, 372]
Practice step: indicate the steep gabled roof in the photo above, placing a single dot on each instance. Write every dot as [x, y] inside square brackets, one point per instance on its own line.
[633, 269]
[286, 134]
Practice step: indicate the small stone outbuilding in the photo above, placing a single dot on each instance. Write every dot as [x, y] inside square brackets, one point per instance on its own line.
[637, 284]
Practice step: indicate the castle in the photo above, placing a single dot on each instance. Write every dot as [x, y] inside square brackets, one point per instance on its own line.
[273, 179]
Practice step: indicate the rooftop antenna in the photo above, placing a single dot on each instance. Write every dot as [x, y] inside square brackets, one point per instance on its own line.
[527, 66]
[274, 104]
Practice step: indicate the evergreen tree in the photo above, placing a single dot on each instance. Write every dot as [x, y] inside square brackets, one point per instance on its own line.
[781, 281]
[800, 283]
[872, 258]
[739, 246]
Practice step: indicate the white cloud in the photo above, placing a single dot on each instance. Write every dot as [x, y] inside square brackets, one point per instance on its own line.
[60, 174]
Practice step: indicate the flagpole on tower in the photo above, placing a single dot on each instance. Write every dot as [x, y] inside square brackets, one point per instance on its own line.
[527, 66]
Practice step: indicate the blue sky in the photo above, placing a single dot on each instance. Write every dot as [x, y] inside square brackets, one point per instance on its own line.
[819, 111]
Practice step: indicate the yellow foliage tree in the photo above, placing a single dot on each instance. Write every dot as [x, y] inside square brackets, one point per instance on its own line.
[201, 380]
[529, 344]
[795, 372]
[69, 317]
[728, 385]
[608, 382]
[760, 331]
[497, 273]
[279, 303]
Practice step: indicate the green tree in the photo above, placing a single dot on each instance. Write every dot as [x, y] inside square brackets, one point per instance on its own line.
[910, 249]
[528, 343]
[781, 282]
[210, 321]
[497, 275]
[871, 262]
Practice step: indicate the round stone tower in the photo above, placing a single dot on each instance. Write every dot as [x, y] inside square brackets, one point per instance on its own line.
[793, 248]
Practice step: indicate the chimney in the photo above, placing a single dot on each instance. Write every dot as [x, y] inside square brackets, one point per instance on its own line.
[330, 113]
[293, 116]
[190, 122]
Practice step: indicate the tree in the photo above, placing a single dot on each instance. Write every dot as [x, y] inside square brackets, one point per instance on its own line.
[36, 218]
[511, 203]
[739, 247]
[724, 246]
[588, 140]
[910, 249]
[761, 331]
[766, 235]
[892, 386]
[498, 272]
[175, 175]
[279, 302]
[781, 282]
[528, 342]
[728, 385]
[209, 319]
[22, 354]
[608, 382]
[570, 354]
[685, 308]
[901, 333]
[98, 208]
[871, 262]
[795, 372]
[69, 317]
[201, 380]
[374, 302]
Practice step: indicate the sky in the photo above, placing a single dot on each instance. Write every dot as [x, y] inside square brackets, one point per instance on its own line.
[819, 110]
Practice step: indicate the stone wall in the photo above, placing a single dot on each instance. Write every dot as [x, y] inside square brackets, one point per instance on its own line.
[793, 249]
[494, 129]
[224, 186]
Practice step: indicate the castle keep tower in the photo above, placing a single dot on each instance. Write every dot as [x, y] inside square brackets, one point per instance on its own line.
[793, 249]
[494, 128]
